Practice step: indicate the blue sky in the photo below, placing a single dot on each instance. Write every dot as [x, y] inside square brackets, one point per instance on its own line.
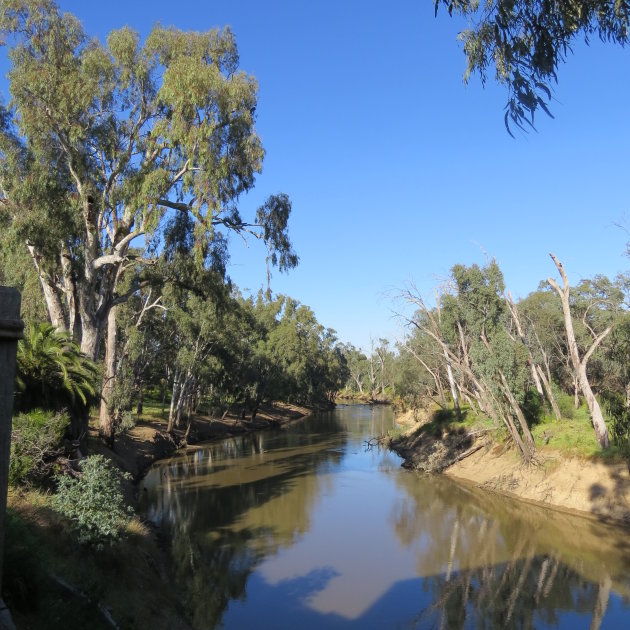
[396, 169]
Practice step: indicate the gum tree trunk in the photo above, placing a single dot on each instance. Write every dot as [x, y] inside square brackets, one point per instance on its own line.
[580, 363]
[106, 419]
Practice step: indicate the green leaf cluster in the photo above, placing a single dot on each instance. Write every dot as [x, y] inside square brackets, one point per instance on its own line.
[36, 439]
[526, 41]
[52, 372]
[94, 502]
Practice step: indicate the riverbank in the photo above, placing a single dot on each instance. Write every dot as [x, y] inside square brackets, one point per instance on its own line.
[53, 582]
[594, 487]
[147, 442]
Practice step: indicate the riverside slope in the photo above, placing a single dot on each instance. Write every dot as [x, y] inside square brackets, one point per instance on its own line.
[593, 488]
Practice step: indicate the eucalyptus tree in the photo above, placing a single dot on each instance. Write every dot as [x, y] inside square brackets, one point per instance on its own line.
[599, 325]
[103, 141]
[357, 368]
[497, 360]
[543, 322]
[471, 330]
[423, 350]
[526, 40]
[416, 381]
[385, 358]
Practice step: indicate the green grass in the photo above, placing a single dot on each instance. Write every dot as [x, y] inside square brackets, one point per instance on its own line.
[575, 437]
[444, 422]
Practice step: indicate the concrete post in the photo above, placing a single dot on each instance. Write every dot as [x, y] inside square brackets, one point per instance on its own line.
[10, 331]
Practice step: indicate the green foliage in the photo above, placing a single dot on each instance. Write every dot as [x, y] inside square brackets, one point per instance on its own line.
[526, 40]
[533, 406]
[126, 423]
[94, 502]
[619, 414]
[443, 421]
[52, 372]
[566, 402]
[574, 437]
[36, 438]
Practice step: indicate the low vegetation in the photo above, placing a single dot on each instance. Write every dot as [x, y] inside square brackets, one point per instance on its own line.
[93, 502]
[36, 442]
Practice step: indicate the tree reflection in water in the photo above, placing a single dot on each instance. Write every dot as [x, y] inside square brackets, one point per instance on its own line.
[460, 557]
[492, 562]
[228, 506]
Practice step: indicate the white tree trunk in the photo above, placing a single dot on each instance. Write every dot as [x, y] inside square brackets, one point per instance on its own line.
[579, 364]
[106, 420]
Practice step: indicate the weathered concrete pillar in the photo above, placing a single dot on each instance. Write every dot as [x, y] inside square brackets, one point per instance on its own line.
[10, 331]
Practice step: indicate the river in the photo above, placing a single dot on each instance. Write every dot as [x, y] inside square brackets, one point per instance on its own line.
[305, 527]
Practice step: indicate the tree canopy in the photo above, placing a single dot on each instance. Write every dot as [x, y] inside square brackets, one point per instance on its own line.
[102, 144]
[526, 40]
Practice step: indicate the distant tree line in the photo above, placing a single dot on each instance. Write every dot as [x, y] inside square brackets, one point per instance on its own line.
[507, 360]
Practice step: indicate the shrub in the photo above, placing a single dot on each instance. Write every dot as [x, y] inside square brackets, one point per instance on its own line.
[36, 440]
[616, 409]
[126, 423]
[532, 406]
[94, 502]
[566, 403]
[52, 372]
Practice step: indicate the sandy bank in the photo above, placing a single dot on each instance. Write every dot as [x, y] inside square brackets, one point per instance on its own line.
[591, 487]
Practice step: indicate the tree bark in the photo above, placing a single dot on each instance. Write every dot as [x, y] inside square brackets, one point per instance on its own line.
[529, 439]
[576, 392]
[54, 305]
[106, 420]
[451, 381]
[174, 396]
[517, 322]
[580, 363]
[90, 335]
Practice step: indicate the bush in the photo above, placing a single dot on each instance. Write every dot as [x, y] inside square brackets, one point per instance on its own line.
[566, 403]
[532, 407]
[94, 502]
[125, 423]
[616, 409]
[36, 440]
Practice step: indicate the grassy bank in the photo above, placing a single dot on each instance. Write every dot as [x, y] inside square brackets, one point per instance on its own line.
[569, 470]
[51, 581]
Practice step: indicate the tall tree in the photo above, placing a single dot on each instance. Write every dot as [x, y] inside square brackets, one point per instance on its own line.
[106, 141]
[579, 360]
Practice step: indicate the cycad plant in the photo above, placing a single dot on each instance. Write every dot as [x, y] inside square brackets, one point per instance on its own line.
[52, 373]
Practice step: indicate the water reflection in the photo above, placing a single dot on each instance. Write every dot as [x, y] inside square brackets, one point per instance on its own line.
[304, 527]
[227, 506]
[493, 562]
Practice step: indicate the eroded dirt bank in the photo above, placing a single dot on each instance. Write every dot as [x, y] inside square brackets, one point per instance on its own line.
[591, 487]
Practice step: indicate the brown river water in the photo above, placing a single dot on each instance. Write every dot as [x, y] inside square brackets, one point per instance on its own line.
[305, 527]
